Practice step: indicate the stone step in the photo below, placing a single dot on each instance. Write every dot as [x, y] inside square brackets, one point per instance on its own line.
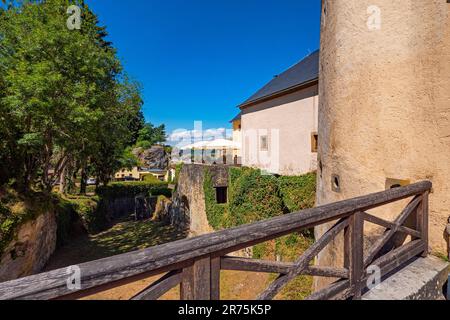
[423, 279]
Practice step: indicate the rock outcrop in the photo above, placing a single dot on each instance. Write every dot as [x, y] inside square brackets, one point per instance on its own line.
[154, 158]
[30, 250]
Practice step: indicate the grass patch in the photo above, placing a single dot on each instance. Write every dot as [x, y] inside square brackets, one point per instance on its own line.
[125, 236]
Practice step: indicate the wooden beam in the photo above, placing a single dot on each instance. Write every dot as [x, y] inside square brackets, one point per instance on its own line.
[302, 263]
[160, 287]
[215, 278]
[423, 222]
[380, 244]
[331, 291]
[356, 266]
[399, 256]
[252, 265]
[170, 256]
[390, 225]
[201, 281]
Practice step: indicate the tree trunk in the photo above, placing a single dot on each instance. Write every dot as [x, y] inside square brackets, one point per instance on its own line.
[84, 178]
[62, 181]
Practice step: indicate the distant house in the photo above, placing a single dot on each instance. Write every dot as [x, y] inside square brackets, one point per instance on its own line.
[278, 124]
[139, 174]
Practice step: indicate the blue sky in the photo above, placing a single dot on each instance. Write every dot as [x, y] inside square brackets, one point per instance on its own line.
[198, 59]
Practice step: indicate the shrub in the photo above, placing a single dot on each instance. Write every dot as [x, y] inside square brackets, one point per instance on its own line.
[71, 209]
[94, 219]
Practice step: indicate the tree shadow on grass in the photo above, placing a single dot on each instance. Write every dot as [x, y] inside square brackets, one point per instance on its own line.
[124, 236]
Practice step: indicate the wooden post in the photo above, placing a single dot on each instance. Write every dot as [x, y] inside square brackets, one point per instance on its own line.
[422, 221]
[215, 278]
[201, 281]
[347, 247]
[356, 257]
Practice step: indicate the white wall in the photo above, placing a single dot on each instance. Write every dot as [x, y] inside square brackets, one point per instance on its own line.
[288, 121]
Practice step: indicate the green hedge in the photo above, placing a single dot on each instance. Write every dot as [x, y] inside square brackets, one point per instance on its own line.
[132, 189]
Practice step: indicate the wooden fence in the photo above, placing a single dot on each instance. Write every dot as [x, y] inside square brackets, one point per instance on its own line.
[195, 263]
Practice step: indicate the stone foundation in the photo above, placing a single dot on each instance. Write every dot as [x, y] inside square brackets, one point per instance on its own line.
[423, 279]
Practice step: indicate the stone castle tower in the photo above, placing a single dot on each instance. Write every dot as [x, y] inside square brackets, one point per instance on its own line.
[384, 114]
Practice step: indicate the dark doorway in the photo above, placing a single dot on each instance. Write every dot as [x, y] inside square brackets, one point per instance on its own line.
[222, 195]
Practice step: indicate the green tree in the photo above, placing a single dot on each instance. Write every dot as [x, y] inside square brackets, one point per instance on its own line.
[65, 103]
[150, 135]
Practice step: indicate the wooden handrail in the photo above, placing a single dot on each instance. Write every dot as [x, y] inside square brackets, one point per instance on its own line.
[184, 254]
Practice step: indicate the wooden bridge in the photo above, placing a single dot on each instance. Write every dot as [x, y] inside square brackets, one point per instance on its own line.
[195, 263]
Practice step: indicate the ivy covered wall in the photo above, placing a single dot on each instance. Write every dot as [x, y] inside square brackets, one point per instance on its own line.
[253, 197]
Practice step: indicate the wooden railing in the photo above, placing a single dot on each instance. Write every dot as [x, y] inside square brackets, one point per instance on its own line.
[195, 263]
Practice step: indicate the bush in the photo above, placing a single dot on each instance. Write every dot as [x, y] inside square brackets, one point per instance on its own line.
[94, 219]
[65, 215]
[71, 209]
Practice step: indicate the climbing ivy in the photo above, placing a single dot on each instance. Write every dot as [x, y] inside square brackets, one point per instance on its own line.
[215, 212]
[298, 192]
[253, 197]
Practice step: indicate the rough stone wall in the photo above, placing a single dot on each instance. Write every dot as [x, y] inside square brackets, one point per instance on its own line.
[384, 104]
[187, 209]
[124, 207]
[31, 249]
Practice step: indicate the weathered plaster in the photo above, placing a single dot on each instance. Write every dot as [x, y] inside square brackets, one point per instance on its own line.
[384, 107]
[287, 121]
